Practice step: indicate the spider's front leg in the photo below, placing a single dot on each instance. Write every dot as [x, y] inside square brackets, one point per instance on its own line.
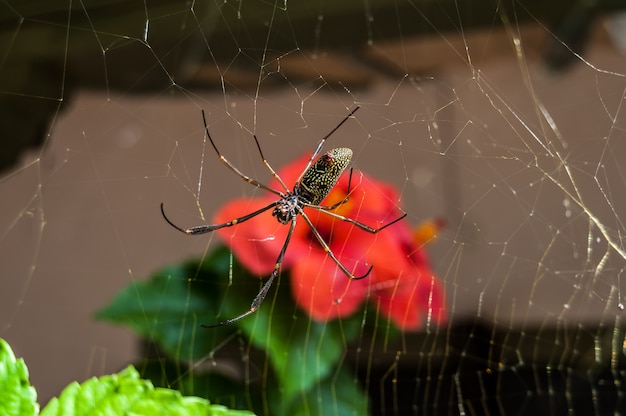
[207, 228]
[359, 224]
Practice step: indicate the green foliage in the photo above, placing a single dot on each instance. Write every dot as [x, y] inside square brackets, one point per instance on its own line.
[339, 394]
[127, 394]
[305, 372]
[170, 308]
[302, 352]
[221, 389]
[17, 396]
[119, 394]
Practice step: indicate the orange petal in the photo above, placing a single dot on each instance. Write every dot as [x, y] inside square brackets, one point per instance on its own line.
[428, 230]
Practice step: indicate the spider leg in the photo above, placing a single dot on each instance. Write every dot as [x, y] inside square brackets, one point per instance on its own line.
[260, 297]
[329, 251]
[362, 226]
[207, 228]
[237, 171]
[318, 149]
[268, 166]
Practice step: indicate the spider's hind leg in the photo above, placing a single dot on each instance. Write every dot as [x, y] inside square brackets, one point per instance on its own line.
[260, 297]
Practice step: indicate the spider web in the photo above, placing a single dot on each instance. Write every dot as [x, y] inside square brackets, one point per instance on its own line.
[505, 119]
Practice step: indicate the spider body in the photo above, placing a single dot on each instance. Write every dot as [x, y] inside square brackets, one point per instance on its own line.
[315, 182]
[287, 208]
[319, 178]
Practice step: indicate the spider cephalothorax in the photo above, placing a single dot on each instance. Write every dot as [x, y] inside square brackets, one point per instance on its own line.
[313, 185]
[286, 209]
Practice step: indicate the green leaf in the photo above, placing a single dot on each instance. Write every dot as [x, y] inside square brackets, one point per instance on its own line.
[209, 384]
[169, 308]
[302, 352]
[17, 396]
[127, 394]
[338, 394]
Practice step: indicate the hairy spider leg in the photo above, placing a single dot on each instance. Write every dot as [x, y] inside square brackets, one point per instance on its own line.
[268, 166]
[362, 226]
[207, 228]
[234, 169]
[318, 149]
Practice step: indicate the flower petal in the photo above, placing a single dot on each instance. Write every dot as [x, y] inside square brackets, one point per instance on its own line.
[323, 290]
[408, 292]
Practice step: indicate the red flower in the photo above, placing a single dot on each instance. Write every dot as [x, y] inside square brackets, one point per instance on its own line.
[401, 283]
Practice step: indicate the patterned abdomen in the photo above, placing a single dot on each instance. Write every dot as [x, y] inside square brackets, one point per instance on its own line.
[322, 175]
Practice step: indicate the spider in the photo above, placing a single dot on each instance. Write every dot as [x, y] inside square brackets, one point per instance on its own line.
[312, 186]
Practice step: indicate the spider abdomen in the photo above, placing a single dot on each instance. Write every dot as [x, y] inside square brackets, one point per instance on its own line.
[322, 175]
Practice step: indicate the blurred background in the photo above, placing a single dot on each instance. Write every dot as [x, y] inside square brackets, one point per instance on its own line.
[504, 118]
